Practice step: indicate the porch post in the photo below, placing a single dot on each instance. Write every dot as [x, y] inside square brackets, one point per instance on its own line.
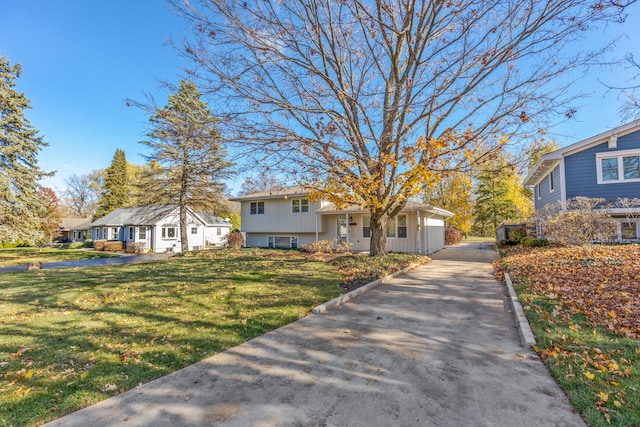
[346, 216]
[419, 232]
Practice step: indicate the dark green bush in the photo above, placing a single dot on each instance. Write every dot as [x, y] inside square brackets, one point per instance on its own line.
[516, 235]
[533, 242]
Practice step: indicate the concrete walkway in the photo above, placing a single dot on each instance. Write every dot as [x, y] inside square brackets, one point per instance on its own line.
[436, 346]
[124, 259]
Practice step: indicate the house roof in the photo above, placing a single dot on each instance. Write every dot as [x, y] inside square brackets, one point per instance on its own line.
[148, 215]
[293, 191]
[74, 223]
[549, 161]
[410, 207]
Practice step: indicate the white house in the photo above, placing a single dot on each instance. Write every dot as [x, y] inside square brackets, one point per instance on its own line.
[157, 228]
[287, 219]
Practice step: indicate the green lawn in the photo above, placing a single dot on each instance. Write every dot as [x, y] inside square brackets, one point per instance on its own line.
[71, 338]
[18, 256]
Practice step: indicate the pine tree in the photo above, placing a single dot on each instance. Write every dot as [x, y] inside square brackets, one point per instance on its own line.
[184, 141]
[500, 195]
[21, 204]
[115, 188]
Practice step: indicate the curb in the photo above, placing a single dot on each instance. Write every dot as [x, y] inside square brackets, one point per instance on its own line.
[322, 308]
[526, 336]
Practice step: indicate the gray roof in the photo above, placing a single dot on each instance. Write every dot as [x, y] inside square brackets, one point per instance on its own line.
[75, 223]
[273, 194]
[149, 215]
[330, 208]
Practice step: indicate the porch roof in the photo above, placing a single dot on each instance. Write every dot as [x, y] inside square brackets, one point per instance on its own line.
[410, 207]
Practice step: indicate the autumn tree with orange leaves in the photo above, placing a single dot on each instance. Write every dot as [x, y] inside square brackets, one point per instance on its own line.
[366, 102]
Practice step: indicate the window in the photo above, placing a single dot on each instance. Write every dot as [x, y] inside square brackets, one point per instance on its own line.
[398, 227]
[402, 226]
[104, 233]
[169, 232]
[631, 167]
[552, 185]
[628, 231]
[142, 233]
[610, 169]
[366, 226]
[114, 233]
[300, 205]
[131, 233]
[257, 208]
[194, 230]
[218, 231]
[621, 166]
[283, 242]
[537, 188]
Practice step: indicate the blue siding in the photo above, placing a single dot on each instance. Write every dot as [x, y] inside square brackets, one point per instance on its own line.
[581, 176]
[546, 195]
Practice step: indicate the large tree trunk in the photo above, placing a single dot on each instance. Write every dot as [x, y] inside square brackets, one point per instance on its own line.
[379, 225]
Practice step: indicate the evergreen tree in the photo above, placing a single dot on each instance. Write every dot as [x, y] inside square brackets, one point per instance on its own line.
[500, 195]
[115, 188]
[21, 204]
[184, 141]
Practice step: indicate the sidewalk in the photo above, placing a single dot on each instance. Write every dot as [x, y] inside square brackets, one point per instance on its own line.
[436, 346]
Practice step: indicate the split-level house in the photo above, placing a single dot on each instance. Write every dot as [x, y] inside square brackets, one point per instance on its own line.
[604, 166]
[157, 228]
[288, 219]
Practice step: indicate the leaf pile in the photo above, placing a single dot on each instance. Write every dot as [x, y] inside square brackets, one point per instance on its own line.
[604, 285]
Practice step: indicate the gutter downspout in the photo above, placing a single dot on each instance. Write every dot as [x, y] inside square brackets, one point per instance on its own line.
[316, 226]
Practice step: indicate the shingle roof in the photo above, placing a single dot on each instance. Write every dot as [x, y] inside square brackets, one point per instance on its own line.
[273, 194]
[74, 223]
[148, 215]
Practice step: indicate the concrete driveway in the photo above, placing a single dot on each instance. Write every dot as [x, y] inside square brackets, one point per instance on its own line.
[437, 346]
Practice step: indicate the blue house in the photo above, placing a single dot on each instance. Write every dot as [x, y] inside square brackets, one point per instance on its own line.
[604, 166]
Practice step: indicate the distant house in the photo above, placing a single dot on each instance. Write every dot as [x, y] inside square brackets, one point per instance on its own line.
[605, 166]
[74, 230]
[157, 228]
[288, 219]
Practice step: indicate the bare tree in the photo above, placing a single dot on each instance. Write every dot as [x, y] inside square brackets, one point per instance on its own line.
[580, 221]
[265, 181]
[367, 101]
[81, 195]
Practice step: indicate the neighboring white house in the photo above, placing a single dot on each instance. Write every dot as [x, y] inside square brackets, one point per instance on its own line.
[74, 229]
[288, 219]
[157, 228]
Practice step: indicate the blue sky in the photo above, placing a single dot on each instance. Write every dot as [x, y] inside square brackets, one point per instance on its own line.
[82, 58]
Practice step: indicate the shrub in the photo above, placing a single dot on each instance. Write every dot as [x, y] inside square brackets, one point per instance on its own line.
[322, 246]
[75, 245]
[344, 247]
[233, 240]
[113, 246]
[98, 245]
[532, 242]
[135, 248]
[452, 236]
[517, 234]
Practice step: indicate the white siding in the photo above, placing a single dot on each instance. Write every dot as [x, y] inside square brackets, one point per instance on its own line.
[211, 234]
[435, 234]
[278, 218]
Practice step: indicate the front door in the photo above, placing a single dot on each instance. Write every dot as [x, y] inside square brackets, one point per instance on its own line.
[342, 230]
